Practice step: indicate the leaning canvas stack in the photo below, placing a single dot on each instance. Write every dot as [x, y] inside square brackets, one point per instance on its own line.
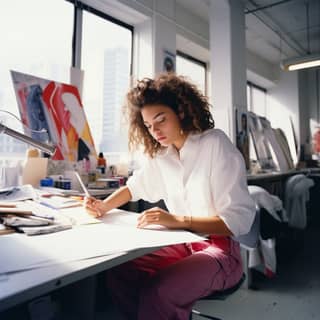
[271, 145]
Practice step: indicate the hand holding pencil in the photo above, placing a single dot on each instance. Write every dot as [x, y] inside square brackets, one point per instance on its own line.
[96, 208]
[84, 188]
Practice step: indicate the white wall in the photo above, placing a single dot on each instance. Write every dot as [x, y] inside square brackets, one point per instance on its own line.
[283, 106]
[313, 94]
[260, 71]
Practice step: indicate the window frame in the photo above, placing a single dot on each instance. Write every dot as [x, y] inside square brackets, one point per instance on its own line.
[77, 30]
[252, 85]
[199, 62]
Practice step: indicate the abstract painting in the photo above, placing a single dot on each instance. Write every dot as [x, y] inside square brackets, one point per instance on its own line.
[52, 112]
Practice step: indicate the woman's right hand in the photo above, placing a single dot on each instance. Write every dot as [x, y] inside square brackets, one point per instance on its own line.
[95, 207]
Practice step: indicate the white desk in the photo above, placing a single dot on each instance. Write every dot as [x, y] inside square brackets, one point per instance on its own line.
[19, 287]
[24, 286]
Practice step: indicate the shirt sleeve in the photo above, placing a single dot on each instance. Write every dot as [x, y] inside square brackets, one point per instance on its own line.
[146, 183]
[232, 200]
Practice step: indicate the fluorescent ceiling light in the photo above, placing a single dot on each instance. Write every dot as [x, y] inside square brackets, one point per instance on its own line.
[308, 61]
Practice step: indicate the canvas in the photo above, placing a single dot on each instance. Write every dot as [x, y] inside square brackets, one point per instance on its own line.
[52, 112]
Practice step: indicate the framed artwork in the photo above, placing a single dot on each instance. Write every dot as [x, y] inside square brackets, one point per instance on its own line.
[52, 112]
[169, 61]
[315, 139]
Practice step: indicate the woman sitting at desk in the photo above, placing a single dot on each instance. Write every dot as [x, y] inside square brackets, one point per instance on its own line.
[201, 177]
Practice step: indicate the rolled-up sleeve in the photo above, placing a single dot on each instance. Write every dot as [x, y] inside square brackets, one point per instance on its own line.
[146, 183]
[232, 200]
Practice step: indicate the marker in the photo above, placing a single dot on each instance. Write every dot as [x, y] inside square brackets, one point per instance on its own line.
[86, 192]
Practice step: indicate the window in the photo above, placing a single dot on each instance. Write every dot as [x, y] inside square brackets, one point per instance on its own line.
[192, 68]
[256, 99]
[36, 44]
[31, 42]
[106, 61]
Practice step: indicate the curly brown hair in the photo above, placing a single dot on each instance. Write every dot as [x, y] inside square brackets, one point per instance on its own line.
[175, 92]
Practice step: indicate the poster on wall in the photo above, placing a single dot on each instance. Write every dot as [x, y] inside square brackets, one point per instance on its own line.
[52, 112]
[169, 61]
[315, 140]
[242, 136]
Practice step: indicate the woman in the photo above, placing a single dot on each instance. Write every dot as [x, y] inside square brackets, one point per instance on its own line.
[200, 175]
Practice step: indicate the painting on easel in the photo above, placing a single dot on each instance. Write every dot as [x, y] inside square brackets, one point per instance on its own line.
[52, 112]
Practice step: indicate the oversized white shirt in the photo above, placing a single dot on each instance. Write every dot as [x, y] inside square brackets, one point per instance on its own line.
[208, 179]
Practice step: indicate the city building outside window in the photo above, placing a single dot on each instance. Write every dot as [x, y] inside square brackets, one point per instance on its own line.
[106, 61]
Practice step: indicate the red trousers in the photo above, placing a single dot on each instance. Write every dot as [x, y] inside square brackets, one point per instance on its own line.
[165, 284]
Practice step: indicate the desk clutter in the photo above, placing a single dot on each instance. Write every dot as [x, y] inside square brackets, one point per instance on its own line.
[38, 207]
[33, 211]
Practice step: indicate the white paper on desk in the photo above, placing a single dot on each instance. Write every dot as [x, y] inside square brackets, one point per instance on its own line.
[118, 233]
[18, 193]
[79, 216]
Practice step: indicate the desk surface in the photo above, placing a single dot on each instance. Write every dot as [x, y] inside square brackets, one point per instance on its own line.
[278, 175]
[22, 286]
[81, 256]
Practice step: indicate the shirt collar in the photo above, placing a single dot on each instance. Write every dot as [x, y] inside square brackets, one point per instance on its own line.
[190, 146]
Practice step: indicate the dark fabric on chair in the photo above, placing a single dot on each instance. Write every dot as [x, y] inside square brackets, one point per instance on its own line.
[269, 226]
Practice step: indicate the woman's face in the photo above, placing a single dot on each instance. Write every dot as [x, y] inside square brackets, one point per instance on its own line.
[163, 124]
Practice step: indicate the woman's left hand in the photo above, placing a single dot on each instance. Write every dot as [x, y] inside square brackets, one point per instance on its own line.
[159, 216]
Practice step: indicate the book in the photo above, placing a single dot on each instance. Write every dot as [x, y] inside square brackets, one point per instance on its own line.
[57, 202]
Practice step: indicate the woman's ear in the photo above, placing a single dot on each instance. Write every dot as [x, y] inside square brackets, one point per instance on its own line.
[181, 115]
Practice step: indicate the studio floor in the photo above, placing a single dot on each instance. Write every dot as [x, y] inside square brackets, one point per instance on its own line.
[293, 294]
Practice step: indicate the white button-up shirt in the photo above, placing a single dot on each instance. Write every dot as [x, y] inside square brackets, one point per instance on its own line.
[208, 179]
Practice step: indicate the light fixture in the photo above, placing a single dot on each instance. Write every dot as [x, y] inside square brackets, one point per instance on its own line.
[308, 61]
[50, 149]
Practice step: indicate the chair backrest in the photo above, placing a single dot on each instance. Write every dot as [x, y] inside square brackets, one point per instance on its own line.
[250, 239]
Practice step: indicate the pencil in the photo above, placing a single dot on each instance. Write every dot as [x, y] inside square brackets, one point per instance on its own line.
[86, 192]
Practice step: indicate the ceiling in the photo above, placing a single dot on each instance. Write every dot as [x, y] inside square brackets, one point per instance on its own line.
[275, 29]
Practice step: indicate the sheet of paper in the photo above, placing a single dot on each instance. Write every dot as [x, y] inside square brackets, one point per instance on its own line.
[17, 193]
[117, 233]
[79, 216]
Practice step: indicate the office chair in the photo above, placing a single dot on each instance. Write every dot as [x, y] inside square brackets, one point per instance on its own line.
[249, 240]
